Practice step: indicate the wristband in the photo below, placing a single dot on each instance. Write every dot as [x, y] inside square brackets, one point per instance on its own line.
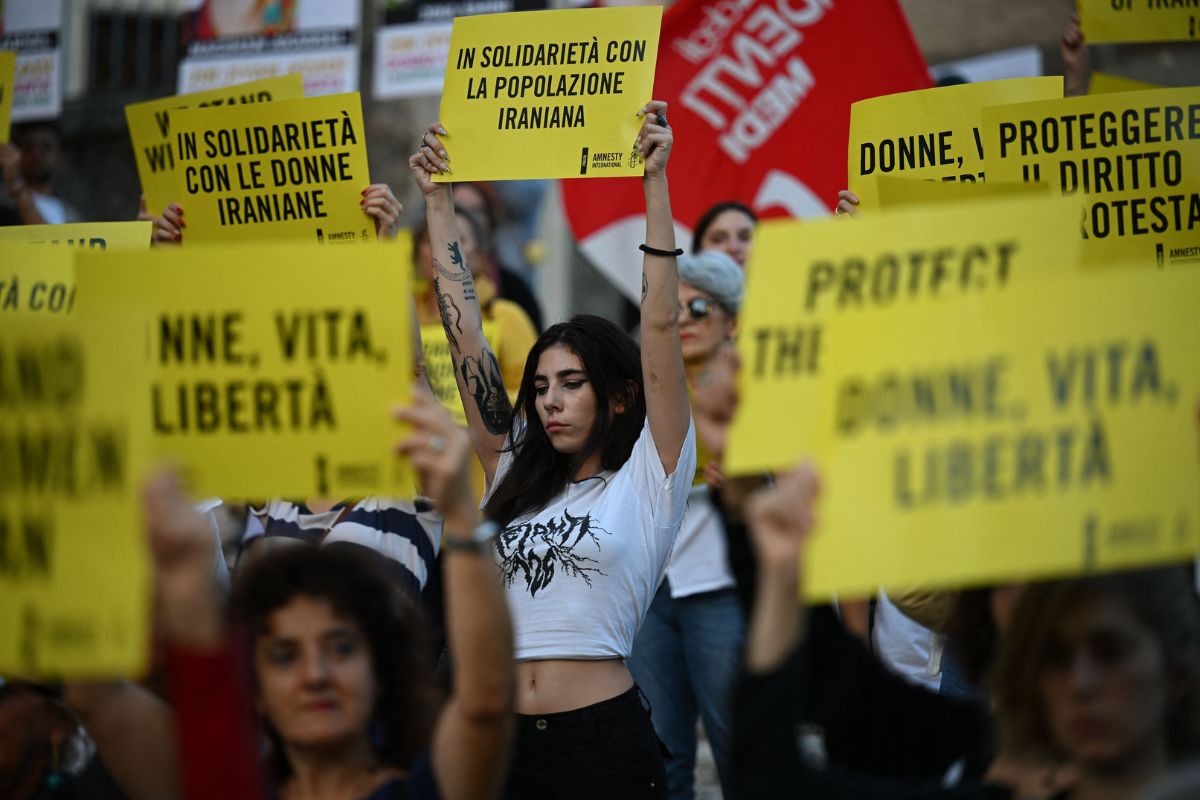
[480, 540]
[654, 251]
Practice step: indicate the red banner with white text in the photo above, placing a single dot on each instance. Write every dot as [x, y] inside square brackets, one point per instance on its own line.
[760, 94]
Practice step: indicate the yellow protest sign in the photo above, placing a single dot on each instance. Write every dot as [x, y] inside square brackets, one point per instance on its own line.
[1104, 83]
[548, 94]
[439, 365]
[92, 235]
[8, 71]
[1112, 21]
[154, 145]
[34, 280]
[895, 192]
[1044, 431]
[1134, 159]
[74, 582]
[929, 133]
[275, 366]
[803, 275]
[290, 169]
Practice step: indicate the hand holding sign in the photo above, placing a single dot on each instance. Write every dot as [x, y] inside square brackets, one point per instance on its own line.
[655, 138]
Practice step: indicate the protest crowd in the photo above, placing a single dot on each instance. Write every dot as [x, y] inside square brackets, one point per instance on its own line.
[617, 557]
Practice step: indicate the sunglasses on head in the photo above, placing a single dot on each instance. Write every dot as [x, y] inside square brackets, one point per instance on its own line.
[700, 307]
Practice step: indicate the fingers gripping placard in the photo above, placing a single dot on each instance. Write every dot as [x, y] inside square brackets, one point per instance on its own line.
[548, 94]
[271, 381]
[74, 588]
[291, 169]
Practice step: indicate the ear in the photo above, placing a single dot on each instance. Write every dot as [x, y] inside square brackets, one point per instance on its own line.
[626, 397]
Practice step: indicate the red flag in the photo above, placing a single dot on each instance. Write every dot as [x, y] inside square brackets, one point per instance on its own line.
[760, 94]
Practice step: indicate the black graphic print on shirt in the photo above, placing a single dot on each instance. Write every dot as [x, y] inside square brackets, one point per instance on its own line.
[539, 550]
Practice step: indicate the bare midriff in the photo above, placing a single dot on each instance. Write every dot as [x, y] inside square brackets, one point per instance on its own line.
[551, 686]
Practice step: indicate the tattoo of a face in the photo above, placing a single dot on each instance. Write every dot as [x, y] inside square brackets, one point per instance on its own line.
[482, 378]
[450, 313]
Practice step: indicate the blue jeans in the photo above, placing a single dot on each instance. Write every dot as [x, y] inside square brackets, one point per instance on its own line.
[685, 659]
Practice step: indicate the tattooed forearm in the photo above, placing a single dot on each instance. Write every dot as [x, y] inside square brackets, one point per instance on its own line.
[482, 378]
[456, 275]
[450, 313]
[456, 256]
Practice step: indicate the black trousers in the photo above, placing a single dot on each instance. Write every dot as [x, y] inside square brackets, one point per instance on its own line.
[607, 750]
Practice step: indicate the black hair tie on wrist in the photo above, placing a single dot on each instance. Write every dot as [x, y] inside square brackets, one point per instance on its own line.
[654, 251]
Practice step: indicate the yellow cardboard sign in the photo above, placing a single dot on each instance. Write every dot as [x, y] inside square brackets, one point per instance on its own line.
[897, 192]
[1049, 430]
[439, 365]
[8, 72]
[1134, 159]
[290, 169]
[1104, 83]
[929, 133]
[1113, 21]
[91, 235]
[35, 281]
[275, 366]
[548, 94]
[154, 145]
[74, 582]
[922, 257]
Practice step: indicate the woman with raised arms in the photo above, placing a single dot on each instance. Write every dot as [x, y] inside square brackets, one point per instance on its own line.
[587, 482]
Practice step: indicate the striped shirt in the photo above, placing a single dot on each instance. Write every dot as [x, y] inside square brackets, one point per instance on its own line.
[407, 533]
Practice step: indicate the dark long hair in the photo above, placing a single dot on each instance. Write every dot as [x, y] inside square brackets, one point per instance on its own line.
[714, 211]
[614, 368]
[353, 580]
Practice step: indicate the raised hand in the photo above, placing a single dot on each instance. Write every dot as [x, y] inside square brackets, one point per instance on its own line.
[655, 139]
[168, 228]
[380, 204]
[431, 158]
[847, 204]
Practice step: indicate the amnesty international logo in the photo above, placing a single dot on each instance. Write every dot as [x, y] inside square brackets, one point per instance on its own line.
[583, 162]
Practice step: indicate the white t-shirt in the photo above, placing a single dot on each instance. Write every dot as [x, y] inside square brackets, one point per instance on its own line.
[581, 572]
[700, 561]
[906, 646]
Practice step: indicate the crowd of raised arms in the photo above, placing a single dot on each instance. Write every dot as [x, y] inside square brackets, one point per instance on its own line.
[579, 589]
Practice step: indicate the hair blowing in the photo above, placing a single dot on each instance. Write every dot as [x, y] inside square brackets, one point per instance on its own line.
[538, 472]
[1163, 600]
[353, 581]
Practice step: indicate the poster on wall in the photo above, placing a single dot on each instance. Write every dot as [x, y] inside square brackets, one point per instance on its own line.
[33, 29]
[234, 41]
[413, 43]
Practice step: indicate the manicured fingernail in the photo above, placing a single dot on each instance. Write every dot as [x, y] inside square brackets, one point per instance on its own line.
[364, 191]
[444, 156]
[442, 131]
[640, 113]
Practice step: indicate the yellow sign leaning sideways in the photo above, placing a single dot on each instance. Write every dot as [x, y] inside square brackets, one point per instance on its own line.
[74, 579]
[290, 169]
[271, 381]
[1133, 157]
[8, 73]
[1043, 431]
[1115, 21]
[921, 257]
[35, 280]
[154, 145]
[90, 235]
[548, 94]
[929, 133]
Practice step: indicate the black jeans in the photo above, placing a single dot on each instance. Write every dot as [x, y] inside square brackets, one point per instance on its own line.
[607, 750]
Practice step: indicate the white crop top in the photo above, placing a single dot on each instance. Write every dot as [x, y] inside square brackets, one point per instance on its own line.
[580, 573]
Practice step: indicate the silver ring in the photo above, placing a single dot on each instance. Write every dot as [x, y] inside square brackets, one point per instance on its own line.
[437, 444]
[662, 120]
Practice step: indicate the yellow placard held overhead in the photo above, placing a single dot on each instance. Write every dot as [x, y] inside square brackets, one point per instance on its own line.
[290, 169]
[548, 94]
[929, 133]
[91, 235]
[1133, 158]
[1114, 21]
[1104, 83]
[8, 72]
[74, 582]
[897, 192]
[921, 257]
[154, 141]
[34, 280]
[275, 366]
[1048, 430]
